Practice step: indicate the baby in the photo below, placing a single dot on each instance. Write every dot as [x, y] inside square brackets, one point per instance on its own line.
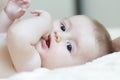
[42, 42]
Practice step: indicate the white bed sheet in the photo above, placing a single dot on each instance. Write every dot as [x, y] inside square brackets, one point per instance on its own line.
[104, 68]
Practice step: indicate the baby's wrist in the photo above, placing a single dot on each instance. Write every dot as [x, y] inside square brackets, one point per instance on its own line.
[5, 16]
[8, 16]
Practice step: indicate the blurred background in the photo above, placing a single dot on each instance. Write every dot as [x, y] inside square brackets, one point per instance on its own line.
[105, 11]
[57, 8]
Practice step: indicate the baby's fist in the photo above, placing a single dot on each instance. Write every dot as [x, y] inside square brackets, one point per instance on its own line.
[16, 8]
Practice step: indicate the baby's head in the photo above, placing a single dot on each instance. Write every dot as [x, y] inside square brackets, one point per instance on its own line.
[73, 41]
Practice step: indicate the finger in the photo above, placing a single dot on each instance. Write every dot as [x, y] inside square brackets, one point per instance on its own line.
[20, 13]
[22, 3]
[36, 12]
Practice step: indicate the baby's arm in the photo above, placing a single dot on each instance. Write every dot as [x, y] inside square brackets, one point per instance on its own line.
[21, 40]
[13, 10]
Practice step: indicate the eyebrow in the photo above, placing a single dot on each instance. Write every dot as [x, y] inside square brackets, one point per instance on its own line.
[68, 23]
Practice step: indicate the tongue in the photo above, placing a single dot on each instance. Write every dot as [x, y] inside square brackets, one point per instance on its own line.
[44, 44]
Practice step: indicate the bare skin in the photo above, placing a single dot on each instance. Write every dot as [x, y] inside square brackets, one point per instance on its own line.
[13, 10]
[7, 66]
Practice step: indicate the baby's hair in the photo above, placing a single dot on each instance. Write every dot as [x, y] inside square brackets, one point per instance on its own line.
[102, 38]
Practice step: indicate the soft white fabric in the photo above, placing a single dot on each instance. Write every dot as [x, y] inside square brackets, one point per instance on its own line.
[104, 68]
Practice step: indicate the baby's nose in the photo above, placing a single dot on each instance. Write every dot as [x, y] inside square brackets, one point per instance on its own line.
[58, 36]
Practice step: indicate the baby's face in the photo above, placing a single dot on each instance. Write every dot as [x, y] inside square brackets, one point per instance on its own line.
[71, 42]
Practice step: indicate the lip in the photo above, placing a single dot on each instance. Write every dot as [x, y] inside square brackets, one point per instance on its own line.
[46, 42]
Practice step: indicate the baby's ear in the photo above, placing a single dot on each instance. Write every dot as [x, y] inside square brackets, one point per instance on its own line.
[116, 44]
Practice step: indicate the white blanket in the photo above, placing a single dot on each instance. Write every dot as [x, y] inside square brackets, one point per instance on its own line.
[104, 68]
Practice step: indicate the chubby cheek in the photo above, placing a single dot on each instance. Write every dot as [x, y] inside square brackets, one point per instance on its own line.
[56, 58]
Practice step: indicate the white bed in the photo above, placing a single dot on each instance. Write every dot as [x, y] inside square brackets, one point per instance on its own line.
[104, 68]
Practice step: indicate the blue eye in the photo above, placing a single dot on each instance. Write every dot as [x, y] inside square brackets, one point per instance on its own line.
[69, 46]
[62, 27]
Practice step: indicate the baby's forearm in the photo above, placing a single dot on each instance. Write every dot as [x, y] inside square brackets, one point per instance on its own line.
[21, 39]
[5, 22]
[23, 54]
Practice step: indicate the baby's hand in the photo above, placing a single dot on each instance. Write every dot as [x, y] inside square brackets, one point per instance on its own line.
[46, 18]
[16, 8]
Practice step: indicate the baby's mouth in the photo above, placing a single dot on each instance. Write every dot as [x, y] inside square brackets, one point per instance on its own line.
[46, 41]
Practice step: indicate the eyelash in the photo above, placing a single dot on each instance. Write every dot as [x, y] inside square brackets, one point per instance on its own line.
[62, 27]
[69, 46]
